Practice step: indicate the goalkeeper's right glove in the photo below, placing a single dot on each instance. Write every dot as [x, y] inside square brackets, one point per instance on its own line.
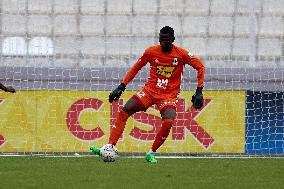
[197, 99]
[116, 93]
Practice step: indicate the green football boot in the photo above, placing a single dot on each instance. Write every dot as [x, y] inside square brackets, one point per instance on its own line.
[150, 158]
[95, 150]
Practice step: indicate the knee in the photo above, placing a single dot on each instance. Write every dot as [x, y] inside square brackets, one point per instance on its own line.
[128, 110]
[168, 123]
[132, 107]
[168, 114]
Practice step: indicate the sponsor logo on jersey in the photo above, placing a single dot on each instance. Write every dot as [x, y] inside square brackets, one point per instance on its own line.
[163, 83]
[175, 61]
[165, 71]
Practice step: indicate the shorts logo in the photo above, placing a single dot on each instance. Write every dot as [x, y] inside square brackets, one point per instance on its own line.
[165, 71]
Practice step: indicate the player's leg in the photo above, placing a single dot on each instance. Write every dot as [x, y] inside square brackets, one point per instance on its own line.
[132, 106]
[168, 114]
[168, 117]
[138, 102]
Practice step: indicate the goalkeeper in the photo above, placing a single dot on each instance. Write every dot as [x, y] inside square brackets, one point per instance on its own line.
[167, 62]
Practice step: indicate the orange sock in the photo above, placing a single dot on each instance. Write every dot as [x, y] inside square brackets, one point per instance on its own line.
[162, 134]
[117, 129]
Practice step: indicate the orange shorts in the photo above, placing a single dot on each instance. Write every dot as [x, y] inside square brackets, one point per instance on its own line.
[146, 99]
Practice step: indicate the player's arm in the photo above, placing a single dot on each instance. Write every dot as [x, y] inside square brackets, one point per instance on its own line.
[141, 62]
[197, 99]
[7, 89]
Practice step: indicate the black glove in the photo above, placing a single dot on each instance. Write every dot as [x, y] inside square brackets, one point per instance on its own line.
[116, 93]
[197, 98]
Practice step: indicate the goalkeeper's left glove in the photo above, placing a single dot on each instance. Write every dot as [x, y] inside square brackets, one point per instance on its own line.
[197, 99]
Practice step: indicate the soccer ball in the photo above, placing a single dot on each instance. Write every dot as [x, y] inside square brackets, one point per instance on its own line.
[109, 153]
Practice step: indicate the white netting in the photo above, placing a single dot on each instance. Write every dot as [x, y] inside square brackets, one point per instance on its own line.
[64, 56]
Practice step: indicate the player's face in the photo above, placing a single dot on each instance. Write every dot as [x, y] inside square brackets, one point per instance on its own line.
[166, 42]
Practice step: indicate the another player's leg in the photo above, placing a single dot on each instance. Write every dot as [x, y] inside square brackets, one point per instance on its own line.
[168, 116]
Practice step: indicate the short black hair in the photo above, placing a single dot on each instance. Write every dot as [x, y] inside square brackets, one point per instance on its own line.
[167, 30]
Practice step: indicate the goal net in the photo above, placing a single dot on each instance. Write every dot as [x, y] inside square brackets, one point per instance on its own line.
[65, 56]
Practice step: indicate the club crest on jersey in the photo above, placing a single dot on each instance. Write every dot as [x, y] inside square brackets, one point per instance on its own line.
[190, 55]
[175, 61]
[165, 71]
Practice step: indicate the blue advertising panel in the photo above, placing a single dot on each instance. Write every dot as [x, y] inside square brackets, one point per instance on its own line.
[264, 122]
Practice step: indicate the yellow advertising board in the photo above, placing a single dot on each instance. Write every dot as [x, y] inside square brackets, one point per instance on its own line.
[72, 121]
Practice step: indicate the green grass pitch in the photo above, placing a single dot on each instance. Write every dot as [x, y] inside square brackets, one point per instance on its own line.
[90, 172]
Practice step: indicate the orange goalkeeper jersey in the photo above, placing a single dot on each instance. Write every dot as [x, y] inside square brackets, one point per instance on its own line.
[166, 69]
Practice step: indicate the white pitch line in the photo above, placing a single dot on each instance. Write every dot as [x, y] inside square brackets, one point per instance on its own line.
[140, 157]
